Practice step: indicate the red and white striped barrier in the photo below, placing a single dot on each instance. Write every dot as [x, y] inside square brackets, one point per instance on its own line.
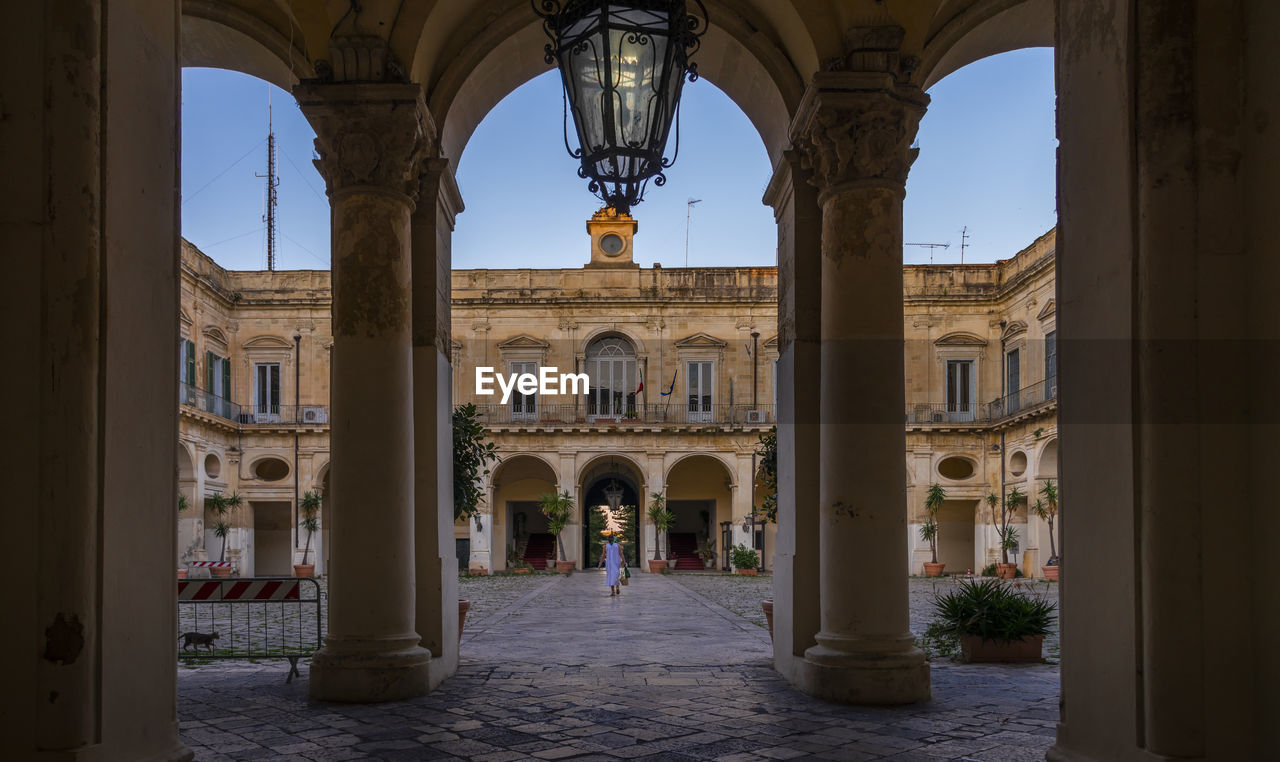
[210, 564]
[238, 590]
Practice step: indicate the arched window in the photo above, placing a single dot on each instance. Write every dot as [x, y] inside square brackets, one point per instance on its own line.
[611, 366]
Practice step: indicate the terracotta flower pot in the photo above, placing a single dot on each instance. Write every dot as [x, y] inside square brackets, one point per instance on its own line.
[464, 605]
[1006, 571]
[522, 570]
[768, 616]
[304, 570]
[564, 567]
[220, 571]
[656, 566]
[747, 572]
[1024, 651]
[932, 569]
[1050, 572]
[182, 573]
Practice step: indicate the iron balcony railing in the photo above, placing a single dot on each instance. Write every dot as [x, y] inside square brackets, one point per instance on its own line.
[1025, 399]
[653, 414]
[252, 415]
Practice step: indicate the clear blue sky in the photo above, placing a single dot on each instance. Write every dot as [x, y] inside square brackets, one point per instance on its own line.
[986, 161]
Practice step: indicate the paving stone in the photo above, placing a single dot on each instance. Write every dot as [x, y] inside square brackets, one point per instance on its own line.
[553, 669]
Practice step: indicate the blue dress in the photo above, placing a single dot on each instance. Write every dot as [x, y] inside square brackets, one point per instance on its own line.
[612, 563]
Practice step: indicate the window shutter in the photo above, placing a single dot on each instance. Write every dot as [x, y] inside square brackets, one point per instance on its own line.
[209, 370]
[191, 362]
[226, 378]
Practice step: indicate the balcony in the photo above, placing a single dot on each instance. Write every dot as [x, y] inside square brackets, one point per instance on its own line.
[1027, 401]
[251, 416]
[655, 416]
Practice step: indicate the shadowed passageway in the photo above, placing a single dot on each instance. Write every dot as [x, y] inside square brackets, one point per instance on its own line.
[658, 673]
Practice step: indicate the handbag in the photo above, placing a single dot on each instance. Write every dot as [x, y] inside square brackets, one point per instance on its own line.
[626, 574]
[623, 580]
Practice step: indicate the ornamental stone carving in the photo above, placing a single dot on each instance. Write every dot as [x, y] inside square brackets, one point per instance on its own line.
[852, 130]
[369, 134]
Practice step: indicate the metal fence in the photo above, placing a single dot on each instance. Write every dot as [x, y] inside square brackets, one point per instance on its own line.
[654, 414]
[252, 415]
[250, 618]
[1026, 398]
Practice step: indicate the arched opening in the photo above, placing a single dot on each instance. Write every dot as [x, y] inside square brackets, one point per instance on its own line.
[190, 520]
[700, 495]
[519, 529]
[599, 479]
[611, 367]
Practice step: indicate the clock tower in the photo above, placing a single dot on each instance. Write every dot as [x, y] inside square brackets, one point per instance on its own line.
[612, 235]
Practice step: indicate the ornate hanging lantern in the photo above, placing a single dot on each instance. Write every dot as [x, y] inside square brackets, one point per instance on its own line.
[623, 64]
[613, 494]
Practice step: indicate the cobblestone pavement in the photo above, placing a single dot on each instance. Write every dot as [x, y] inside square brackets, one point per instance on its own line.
[566, 672]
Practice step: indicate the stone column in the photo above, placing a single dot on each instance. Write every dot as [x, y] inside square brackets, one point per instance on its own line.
[370, 138]
[439, 203]
[856, 128]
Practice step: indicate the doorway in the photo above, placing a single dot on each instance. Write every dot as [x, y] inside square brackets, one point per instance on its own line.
[271, 539]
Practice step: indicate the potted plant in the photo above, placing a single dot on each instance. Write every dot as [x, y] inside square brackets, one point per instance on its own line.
[558, 508]
[995, 623]
[707, 552]
[662, 519]
[1047, 510]
[745, 560]
[182, 506]
[471, 458]
[767, 472]
[309, 508]
[933, 500]
[1007, 535]
[223, 508]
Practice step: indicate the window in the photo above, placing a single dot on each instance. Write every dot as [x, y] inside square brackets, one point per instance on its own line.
[217, 382]
[266, 391]
[961, 394]
[1051, 364]
[524, 406]
[699, 383]
[1013, 381]
[611, 366]
[186, 372]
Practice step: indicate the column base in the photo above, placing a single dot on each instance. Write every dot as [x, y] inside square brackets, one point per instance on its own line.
[353, 672]
[869, 679]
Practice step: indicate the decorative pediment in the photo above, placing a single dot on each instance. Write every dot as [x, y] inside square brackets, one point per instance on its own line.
[700, 341]
[268, 342]
[1050, 308]
[772, 343]
[960, 339]
[523, 341]
[216, 336]
[1013, 329]
[185, 318]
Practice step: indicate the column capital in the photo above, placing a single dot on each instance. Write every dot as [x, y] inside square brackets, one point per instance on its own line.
[857, 120]
[369, 135]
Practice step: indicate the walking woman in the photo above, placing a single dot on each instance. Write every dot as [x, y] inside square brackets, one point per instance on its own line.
[611, 560]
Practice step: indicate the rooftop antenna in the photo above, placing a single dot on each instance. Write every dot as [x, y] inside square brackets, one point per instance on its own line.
[273, 180]
[930, 247]
[964, 238]
[688, 212]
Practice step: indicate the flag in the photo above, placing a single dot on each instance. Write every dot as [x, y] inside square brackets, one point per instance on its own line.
[640, 388]
[672, 388]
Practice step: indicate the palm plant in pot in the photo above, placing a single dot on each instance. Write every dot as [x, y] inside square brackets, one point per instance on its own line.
[1007, 535]
[223, 508]
[994, 622]
[309, 510]
[662, 519]
[1047, 510]
[745, 560]
[558, 508]
[933, 500]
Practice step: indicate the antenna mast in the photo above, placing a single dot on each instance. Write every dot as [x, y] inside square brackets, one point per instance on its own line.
[964, 238]
[930, 247]
[688, 212]
[273, 180]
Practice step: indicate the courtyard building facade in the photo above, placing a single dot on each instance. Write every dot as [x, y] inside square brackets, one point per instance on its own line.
[682, 370]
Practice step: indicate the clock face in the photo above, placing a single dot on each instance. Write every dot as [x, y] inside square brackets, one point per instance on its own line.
[611, 244]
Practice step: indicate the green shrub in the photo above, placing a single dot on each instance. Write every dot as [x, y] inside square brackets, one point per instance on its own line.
[992, 610]
[744, 557]
[938, 642]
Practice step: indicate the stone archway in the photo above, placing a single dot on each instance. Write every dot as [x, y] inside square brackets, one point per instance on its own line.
[702, 494]
[593, 478]
[513, 515]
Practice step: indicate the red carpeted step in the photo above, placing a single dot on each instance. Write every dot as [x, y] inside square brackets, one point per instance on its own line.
[683, 546]
[540, 547]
